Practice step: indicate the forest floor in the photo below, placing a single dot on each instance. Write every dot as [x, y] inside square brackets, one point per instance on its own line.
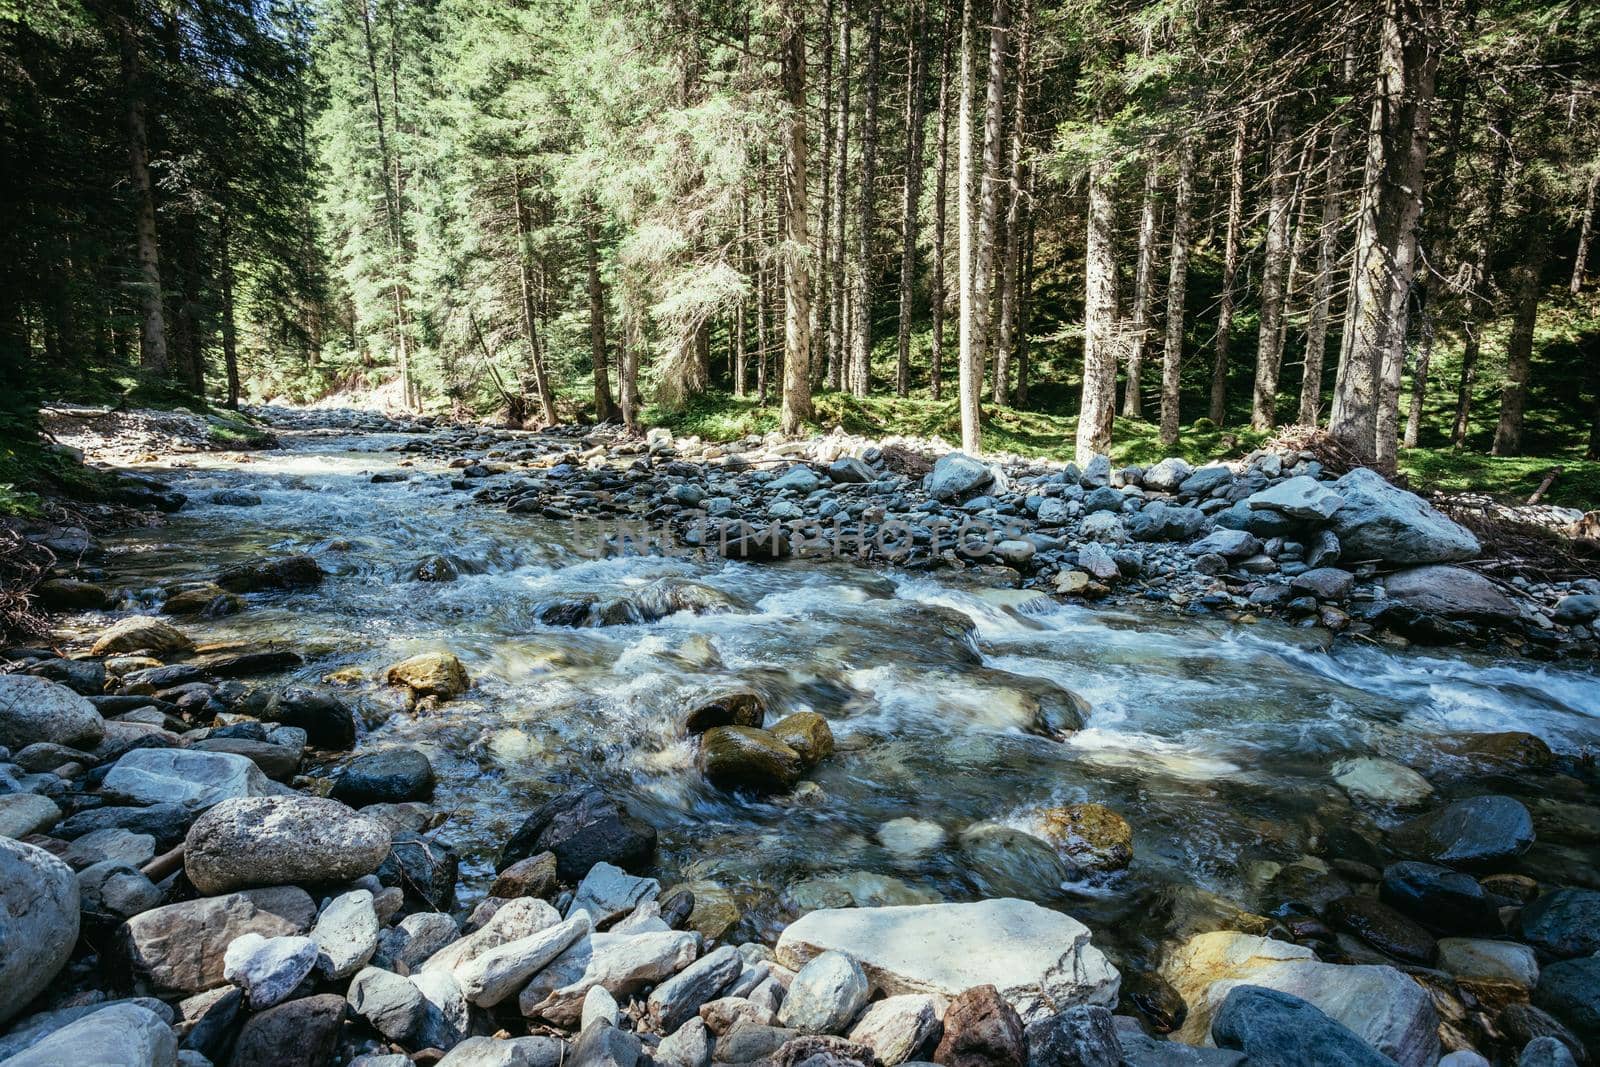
[1035, 434]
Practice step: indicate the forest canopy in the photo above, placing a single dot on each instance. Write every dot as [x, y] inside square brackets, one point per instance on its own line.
[1373, 215]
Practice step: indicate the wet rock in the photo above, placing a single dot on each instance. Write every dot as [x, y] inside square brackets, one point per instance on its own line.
[742, 708]
[532, 877]
[1383, 928]
[210, 601]
[899, 1028]
[1439, 898]
[1500, 961]
[911, 837]
[1083, 1036]
[808, 734]
[1509, 750]
[346, 934]
[1010, 863]
[981, 1029]
[39, 905]
[288, 572]
[268, 969]
[179, 948]
[582, 828]
[124, 1035]
[956, 474]
[1570, 990]
[70, 594]
[140, 633]
[690, 1046]
[1094, 837]
[1476, 833]
[1546, 1052]
[329, 723]
[1275, 1029]
[301, 1033]
[743, 757]
[1041, 960]
[1382, 521]
[1381, 781]
[436, 568]
[388, 776]
[1448, 593]
[425, 868]
[34, 710]
[1563, 923]
[825, 995]
[1214, 956]
[266, 840]
[436, 674]
[676, 1000]
[608, 892]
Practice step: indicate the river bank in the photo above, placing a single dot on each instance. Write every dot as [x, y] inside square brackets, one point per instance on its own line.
[752, 746]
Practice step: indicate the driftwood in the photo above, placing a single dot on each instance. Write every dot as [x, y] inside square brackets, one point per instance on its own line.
[1544, 487]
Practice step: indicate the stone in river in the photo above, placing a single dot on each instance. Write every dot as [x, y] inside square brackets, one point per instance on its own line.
[608, 892]
[139, 633]
[1383, 928]
[1381, 781]
[117, 1035]
[743, 757]
[268, 840]
[179, 948]
[808, 734]
[1009, 862]
[1094, 837]
[438, 674]
[389, 776]
[1040, 960]
[39, 908]
[195, 780]
[301, 1033]
[37, 710]
[1481, 958]
[1276, 1029]
[1477, 833]
[328, 721]
[899, 1028]
[1570, 990]
[1439, 898]
[982, 1029]
[1563, 923]
[287, 572]
[582, 828]
[1450, 593]
[739, 708]
[908, 836]
[825, 995]
[268, 969]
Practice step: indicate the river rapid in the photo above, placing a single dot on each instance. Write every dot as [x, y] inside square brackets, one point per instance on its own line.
[1214, 740]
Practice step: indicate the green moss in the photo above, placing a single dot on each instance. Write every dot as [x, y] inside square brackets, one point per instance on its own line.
[1509, 479]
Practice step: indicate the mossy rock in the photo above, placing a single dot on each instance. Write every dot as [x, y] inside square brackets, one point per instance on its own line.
[808, 734]
[70, 594]
[743, 757]
[1092, 835]
[438, 674]
[740, 708]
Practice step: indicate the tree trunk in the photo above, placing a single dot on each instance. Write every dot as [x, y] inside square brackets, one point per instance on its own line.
[1143, 274]
[1322, 290]
[1218, 409]
[1519, 346]
[1011, 264]
[822, 291]
[740, 371]
[152, 321]
[1419, 375]
[764, 286]
[541, 385]
[916, 93]
[866, 217]
[838, 334]
[1366, 399]
[628, 370]
[983, 274]
[1100, 340]
[604, 409]
[797, 245]
[1274, 277]
[940, 182]
[971, 353]
[1025, 297]
[1177, 286]
[1585, 229]
[1477, 279]
[230, 337]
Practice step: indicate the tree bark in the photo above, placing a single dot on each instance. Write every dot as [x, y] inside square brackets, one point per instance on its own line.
[937, 295]
[866, 217]
[1585, 229]
[1519, 346]
[1477, 278]
[1322, 290]
[916, 93]
[1366, 399]
[821, 292]
[230, 336]
[838, 334]
[604, 409]
[628, 370]
[1143, 274]
[1274, 277]
[1419, 374]
[1218, 409]
[1025, 295]
[1011, 281]
[1177, 286]
[797, 244]
[541, 384]
[983, 273]
[1098, 407]
[971, 353]
[152, 321]
[740, 348]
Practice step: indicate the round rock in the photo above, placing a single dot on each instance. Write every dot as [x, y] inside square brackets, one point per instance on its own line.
[390, 776]
[39, 903]
[257, 841]
[35, 709]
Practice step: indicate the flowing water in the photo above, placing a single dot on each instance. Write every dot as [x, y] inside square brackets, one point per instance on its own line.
[1213, 739]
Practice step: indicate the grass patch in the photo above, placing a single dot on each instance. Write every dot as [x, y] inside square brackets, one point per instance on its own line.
[1509, 479]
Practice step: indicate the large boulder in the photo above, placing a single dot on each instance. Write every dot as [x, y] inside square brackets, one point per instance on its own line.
[744, 757]
[1040, 960]
[119, 1035]
[1381, 521]
[255, 841]
[179, 948]
[1275, 1029]
[187, 777]
[1477, 833]
[1563, 923]
[582, 828]
[435, 674]
[956, 474]
[34, 710]
[38, 922]
[1448, 592]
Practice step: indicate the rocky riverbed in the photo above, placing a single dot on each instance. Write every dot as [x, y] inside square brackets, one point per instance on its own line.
[415, 744]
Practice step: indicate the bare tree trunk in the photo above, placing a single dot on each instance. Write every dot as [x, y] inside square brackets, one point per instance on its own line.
[1322, 290]
[797, 244]
[1177, 287]
[1011, 265]
[541, 385]
[1366, 399]
[821, 293]
[740, 370]
[838, 334]
[971, 350]
[1477, 279]
[1519, 346]
[1218, 409]
[940, 182]
[1025, 296]
[1274, 276]
[1098, 407]
[866, 220]
[916, 94]
[604, 409]
[1419, 375]
[1585, 228]
[983, 274]
[628, 370]
[1143, 274]
[764, 285]
[152, 321]
[230, 336]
